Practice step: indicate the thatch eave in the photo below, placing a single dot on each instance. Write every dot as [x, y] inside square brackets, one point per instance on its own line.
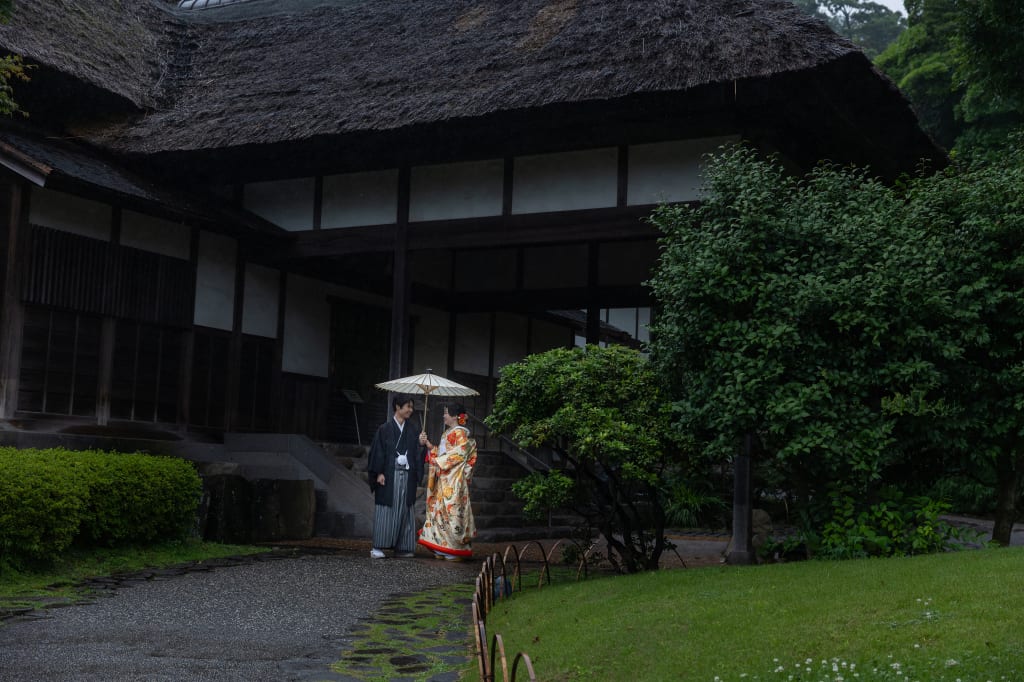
[252, 80]
[65, 166]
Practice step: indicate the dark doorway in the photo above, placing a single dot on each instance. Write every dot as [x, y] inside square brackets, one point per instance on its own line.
[360, 347]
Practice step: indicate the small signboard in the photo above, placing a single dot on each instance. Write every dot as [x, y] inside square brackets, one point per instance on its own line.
[352, 396]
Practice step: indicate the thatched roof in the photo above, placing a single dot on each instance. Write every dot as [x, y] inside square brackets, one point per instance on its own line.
[263, 73]
[117, 47]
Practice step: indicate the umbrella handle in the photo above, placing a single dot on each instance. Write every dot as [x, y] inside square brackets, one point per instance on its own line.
[426, 398]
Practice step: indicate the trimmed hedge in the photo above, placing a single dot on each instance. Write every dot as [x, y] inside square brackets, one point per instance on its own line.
[51, 499]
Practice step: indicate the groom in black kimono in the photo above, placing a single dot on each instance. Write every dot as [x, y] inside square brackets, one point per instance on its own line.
[394, 470]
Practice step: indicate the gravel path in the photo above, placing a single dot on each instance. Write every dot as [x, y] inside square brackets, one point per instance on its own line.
[285, 619]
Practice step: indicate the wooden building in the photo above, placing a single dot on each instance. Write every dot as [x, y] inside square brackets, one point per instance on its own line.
[240, 215]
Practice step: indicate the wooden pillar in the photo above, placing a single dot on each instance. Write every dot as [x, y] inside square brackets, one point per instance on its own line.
[593, 304]
[234, 367]
[12, 315]
[742, 551]
[188, 344]
[277, 382]
[108, 333]
[400, 289]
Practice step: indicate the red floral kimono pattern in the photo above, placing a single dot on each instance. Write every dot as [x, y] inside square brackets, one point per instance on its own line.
[449, 527]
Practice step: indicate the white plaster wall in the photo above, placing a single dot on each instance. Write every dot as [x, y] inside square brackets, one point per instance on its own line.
[555, 266]
[360, 199]
[286, 203]
[546, 335]
[669, 171]
[69, 213]
[431, 342]
[457, 190]
[215, 281]
[565, 182]
[259, 307]
[307, 328]
[510, 339]
[472, 343]
[624, 263]
[149, 233]
[485, 270]
[623, 318]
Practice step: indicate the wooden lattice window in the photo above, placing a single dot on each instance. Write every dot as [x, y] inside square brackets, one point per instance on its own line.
[255, 384]
[210, 355]
[146, 373]
[59, 362]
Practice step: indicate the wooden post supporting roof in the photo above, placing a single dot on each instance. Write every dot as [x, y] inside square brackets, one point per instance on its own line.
[398, 360]
[12, 316]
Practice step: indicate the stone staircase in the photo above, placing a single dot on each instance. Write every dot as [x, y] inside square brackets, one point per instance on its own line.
[498, 512]
[344, 504]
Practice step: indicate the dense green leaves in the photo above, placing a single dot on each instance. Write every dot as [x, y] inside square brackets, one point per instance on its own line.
[792, 310]
[862, 333]
[602, 409]
[959, 64]
[50, 499]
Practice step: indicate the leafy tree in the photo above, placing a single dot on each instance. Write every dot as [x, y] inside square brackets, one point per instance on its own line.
[958, 63]
[865, 334]
[869, 25]
[601, 408]
[793, 311]
[980, 207]
[923, 61]
[990, 54]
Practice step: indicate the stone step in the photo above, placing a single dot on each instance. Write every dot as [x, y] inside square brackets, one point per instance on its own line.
[492, 483]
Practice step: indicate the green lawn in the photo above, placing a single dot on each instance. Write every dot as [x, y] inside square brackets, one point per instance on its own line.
[32, 588]
[948, 617]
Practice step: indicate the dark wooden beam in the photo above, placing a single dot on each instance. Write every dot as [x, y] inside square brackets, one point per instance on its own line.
[277, 382]
[541, 300]
[13, 313]
[108, 334]
[401, 282]
[498, 231]
[594, 302]
[235, 344]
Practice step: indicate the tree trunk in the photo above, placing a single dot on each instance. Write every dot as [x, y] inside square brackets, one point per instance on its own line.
[1008, 468]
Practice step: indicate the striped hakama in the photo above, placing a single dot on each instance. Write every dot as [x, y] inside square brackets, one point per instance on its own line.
[395, 526]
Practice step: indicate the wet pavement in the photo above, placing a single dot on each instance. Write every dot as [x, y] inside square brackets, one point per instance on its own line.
[274, 620]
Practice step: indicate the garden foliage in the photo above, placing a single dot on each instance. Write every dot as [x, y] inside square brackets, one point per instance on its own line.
[602, 409]
[52, 499]
[863, 334]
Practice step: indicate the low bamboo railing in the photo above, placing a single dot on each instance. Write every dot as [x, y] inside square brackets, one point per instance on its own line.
[499, 577]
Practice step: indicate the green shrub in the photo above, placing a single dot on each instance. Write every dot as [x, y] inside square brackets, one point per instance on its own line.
[138, 498]
[966, 495]
[893, 526]
[543, 493]
[41, 506]
[52, 498]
